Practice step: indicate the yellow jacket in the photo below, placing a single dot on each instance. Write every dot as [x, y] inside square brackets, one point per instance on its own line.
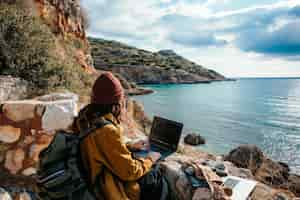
[105, 152]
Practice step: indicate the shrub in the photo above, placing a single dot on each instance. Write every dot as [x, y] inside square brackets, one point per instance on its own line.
[28, 51]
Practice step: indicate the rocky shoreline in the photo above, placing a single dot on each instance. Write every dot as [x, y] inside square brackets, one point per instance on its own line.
[28, 126]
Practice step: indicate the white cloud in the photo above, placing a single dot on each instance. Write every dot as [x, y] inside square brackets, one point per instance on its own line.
[280, 4]
[152, 24]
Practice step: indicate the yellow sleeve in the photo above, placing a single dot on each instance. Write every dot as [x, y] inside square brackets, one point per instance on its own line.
[118, 157]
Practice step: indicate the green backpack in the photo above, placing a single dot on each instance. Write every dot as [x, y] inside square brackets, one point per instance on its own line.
[61, 175]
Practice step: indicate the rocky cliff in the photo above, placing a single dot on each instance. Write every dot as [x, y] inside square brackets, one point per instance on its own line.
[68, 21]
[144, 67]
[44, 43]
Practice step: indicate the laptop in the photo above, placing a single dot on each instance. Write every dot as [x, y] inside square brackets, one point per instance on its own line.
[164, 137]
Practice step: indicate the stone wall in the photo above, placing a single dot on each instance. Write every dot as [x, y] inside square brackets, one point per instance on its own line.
[27, 127]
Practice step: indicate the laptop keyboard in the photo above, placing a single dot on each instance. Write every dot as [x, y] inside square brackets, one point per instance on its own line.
[156, 149]
[163, 152]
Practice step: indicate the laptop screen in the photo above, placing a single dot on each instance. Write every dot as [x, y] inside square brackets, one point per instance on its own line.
[166, 133]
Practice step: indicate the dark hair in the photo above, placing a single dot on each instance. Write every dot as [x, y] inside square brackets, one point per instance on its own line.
[99, 110]
[92, 112]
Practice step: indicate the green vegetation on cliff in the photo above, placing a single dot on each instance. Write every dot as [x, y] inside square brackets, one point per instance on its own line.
[108, 54]
[29, 50]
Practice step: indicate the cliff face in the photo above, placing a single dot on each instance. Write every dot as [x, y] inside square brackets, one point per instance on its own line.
[67, 20]
[44, 43]
[145, 67]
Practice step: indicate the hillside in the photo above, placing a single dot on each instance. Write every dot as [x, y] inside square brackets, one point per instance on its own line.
[43, 42]
[144, 67]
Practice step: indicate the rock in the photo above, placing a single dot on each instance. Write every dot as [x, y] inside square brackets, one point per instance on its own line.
[182, 189]
[27, 127]
[14, 160]
[59, 115]
[264, 192]
[202, 194]
[134, 120]
[9, 134]
[67, 19]
[239, 172]
[4, 195]
[18, 111]
[24, 196]
[194, 139]
[58, 96]
[272, 173]
[12, 88]
[246, 156]
[293, 184]
[60, 110]
[35, 150]
[29, 171]
[28, 140]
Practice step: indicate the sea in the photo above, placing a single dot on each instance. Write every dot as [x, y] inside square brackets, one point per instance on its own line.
[260, 111]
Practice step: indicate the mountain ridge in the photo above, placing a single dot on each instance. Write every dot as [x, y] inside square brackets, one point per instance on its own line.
[146, 67]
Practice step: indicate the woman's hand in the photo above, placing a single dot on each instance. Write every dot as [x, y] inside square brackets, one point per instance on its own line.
[139, 145]
[154, 156]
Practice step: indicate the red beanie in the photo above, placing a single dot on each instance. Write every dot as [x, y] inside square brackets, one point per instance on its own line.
[107, 90]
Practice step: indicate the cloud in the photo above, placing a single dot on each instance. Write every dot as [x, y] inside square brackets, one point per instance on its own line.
[123, 19]
[282, 42]
[295, 11]
[195, 24]
[196, 39]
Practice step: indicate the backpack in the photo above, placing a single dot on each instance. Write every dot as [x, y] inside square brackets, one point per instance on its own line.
[60, 173]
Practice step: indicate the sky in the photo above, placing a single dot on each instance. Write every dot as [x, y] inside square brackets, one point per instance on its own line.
[238, 38]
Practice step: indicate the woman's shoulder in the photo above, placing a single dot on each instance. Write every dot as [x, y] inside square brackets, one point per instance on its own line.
[108, 130]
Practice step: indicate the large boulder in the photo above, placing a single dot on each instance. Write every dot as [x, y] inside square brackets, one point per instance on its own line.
[246, 156]
[272, 173]
[265, 170]
[194, 139]
[28, 126]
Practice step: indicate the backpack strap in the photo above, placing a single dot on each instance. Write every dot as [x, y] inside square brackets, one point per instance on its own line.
[101, 123]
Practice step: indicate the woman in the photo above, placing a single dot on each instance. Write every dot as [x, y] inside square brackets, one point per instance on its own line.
[112, 170]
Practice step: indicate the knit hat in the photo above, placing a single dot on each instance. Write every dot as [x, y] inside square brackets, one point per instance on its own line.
[107, 89]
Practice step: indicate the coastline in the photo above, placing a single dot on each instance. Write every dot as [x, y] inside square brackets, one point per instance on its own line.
[26, 147]
[207, 130]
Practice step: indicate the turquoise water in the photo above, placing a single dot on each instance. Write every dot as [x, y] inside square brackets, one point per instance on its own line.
[264, 112]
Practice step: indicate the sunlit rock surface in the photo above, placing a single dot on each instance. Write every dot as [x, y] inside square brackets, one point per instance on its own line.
[12, 88]
[27, 127]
